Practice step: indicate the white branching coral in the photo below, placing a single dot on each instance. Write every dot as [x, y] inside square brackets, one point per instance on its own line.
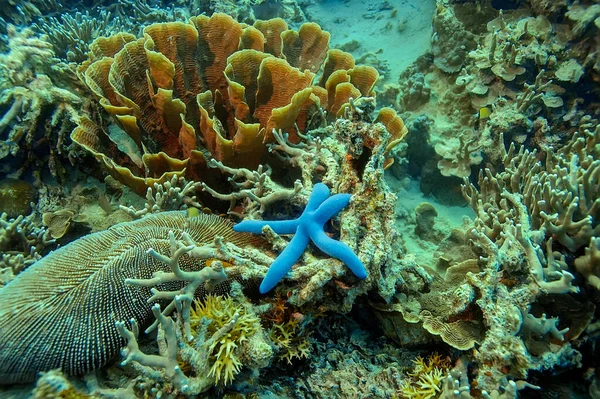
[174, 194]
[180, 344]
[21, 242]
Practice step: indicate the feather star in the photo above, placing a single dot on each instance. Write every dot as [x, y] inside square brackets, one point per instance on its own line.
[309, 226]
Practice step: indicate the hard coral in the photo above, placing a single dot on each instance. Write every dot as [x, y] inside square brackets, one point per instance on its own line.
[210, 89]
[105, 276]
[36, 111]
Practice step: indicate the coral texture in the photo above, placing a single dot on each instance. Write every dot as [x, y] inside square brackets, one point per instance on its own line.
[80, 290]
[215, 89]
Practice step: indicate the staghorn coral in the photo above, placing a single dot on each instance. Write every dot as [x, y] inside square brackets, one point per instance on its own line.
[221, 103]
[93, 272]
[517, 210]
[174, 194]
[589, 263]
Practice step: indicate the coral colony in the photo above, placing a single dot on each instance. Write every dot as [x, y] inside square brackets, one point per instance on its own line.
[299, 199]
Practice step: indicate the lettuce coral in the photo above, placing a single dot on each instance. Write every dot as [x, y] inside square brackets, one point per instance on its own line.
[210, 89]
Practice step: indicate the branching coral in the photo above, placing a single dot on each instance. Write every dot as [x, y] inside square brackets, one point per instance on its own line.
[22, 12]
[172, 194]
[37, 110]
[425, 380]
[225, 334]
[517, 210]
[71, 35]
[292, 343]
[22, 241]
[226, 353]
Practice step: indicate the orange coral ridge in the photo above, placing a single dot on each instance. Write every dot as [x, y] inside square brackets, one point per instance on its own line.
[210, 88]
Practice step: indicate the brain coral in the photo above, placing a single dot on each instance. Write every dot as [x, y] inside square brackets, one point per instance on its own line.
[61, 312]
[210, 88]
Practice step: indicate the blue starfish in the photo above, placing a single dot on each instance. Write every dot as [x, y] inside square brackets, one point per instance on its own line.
[309, 226]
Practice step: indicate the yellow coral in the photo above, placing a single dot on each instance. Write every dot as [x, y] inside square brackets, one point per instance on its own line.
[290, 343]
[224, 352]
[425, 380]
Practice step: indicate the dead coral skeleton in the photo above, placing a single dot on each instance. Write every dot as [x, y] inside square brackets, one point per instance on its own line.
[257, 189]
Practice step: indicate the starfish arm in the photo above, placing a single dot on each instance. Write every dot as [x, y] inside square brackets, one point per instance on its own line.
[256, 226]
[339, 250]
[319, 194]
[331, 207]
[284, 262]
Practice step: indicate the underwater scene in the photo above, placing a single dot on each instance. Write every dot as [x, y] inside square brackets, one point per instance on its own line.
[304, 199]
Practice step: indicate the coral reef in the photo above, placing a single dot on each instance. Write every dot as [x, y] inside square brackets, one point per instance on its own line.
[22, 241]
[93, 273]
[425, 380]
[471, 230]
[307, 228]
[71, 35]
[37, 114]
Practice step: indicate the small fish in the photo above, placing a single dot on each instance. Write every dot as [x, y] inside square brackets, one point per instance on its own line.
[192, 212]
[484, 113]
